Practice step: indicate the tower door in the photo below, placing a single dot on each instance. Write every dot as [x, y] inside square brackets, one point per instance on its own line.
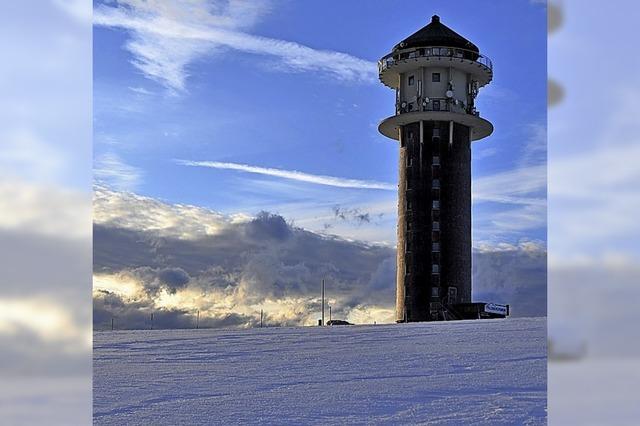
[452, 295]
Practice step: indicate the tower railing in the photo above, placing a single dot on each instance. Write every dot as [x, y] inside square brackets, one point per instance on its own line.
[435, 104]
[395, 57]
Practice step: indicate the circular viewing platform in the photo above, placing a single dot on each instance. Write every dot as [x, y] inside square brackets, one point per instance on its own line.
[480, 128]
[392, 65]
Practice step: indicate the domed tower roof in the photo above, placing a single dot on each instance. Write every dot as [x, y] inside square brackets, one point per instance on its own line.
[436, 34]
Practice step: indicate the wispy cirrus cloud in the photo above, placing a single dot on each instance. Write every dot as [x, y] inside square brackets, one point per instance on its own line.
[516, 203]
[141, 90]
[166, 37]
[525, 185]
[110, 169]
[293, 175]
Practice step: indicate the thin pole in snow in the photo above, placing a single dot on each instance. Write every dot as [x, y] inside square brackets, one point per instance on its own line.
[152, 321]
[198, 319]
[329, 313]
[111, 323]
[322, 321]
[260, 318]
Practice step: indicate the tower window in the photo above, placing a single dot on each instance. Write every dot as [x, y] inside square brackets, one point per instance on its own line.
[435, 183]
[436, 105]
[435, 77]
[436, 161]
[436, 204]
[436, 133]
[435, 269]
[436, 226]
[411, 80]
[435, 291]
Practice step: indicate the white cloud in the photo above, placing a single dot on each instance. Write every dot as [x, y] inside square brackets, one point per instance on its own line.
[522, 195]
[519, 219]
[294, 175]
[525, 245]
[135, 212]
[535, 149]
[232, 273]
[520, 191]
[168, 36]
[111, 170]
[518, 186]
[485, 153]
[141, 90]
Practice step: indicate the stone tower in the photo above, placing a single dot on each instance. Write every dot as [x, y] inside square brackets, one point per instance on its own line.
[436, 74]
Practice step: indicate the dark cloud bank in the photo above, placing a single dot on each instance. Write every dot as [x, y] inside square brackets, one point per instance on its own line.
[269, 258]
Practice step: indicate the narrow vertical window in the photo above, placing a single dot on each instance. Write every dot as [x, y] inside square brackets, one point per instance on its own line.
[411, 80]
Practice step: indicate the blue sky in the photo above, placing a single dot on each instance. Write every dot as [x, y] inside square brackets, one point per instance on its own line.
[293, 86]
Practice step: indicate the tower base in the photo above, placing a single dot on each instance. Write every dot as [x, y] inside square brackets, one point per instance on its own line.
[468, 311]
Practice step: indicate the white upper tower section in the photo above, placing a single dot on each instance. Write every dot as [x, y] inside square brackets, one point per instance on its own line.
[436, 74]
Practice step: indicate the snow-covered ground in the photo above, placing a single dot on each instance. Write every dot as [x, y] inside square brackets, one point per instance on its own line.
[468, 372]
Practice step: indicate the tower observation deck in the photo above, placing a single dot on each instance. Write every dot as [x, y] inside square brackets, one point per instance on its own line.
[436, 74]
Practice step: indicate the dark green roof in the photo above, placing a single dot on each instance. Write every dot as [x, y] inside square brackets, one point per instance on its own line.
[436, 34]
